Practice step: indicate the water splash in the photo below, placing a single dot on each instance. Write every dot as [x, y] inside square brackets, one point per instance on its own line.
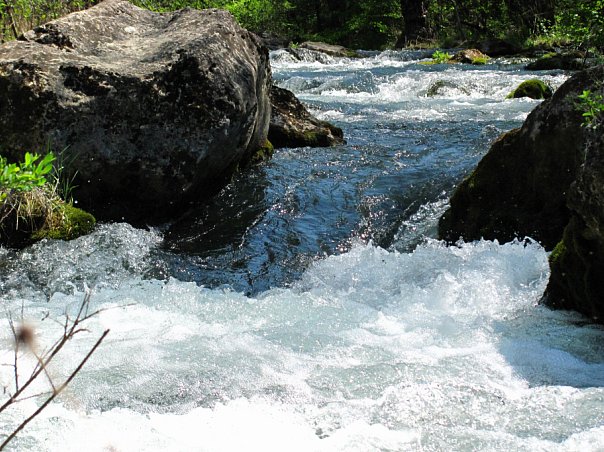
[437, 349]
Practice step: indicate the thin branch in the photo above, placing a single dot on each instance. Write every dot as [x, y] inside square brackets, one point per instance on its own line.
[40, 394]
[56, 393]
[41, 363]
[16, 356]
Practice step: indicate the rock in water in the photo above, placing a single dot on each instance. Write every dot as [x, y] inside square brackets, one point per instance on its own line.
[519, 188]
[157, 110]
[545, 180]
[293, 126]
[469, 56]
[533, 88]
[329, 49]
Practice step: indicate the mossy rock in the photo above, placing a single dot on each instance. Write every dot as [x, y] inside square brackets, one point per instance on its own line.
[264, 153]
[520, 186]
[74, 223]
[577, 269]
[470, 56]
[513, 193]
[27, 217]
[293, 126]
[533, 88]
[577, 262]
[545, 180]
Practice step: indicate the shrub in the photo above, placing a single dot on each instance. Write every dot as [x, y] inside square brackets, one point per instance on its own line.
[26, 176]
[592, 107]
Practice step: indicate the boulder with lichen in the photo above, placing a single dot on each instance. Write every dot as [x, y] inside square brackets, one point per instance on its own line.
[157, 110]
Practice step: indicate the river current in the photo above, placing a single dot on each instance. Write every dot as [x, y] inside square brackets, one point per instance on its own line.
[308, 307]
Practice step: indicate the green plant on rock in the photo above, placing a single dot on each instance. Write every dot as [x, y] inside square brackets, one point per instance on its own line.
[25, 176]
[440, 57]
[592, 107]
[30, 205]
[480, 60]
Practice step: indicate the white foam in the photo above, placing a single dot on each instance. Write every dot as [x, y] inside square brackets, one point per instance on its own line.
[437, 349]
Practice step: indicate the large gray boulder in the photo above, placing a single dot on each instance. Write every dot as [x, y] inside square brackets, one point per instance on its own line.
[155, 110]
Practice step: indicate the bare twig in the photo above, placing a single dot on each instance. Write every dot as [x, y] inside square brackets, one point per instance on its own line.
[55, 393]
[24, 339]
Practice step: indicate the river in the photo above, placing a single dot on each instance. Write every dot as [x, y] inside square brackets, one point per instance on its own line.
[308, 307]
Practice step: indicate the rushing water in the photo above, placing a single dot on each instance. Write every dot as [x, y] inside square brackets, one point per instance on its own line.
[307, 309]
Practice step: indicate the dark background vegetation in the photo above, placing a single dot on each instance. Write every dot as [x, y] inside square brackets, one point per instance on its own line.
[373, 24]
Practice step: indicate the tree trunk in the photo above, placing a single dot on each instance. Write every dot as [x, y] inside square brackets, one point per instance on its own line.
[415, 19]
[529, 14]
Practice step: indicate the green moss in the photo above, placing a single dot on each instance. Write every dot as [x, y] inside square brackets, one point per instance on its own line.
[557, 253]
[70, 223]
[264, 153]
[480, 60]
[533, 88]
[311, 138]
[29, 216]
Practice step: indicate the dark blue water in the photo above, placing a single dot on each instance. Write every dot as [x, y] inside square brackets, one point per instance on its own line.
[405, 153]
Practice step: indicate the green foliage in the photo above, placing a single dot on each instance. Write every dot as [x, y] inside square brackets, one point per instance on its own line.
[439, 57]
[18, 16]
[580, 22]
[31, 173]
[371, 24]
[592, 107]
[31, 207]
[480, 60]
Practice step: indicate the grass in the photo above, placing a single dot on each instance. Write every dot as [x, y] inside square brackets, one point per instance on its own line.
[31, 207]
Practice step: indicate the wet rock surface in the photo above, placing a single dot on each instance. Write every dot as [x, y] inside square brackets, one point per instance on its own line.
[293, 126]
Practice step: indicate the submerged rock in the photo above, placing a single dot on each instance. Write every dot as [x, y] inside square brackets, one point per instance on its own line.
[293, 126]
[157, 109]
[567, 62]
[533, 88]
[545, 180]
[441, 87]
[329, 49]
[308, 56]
